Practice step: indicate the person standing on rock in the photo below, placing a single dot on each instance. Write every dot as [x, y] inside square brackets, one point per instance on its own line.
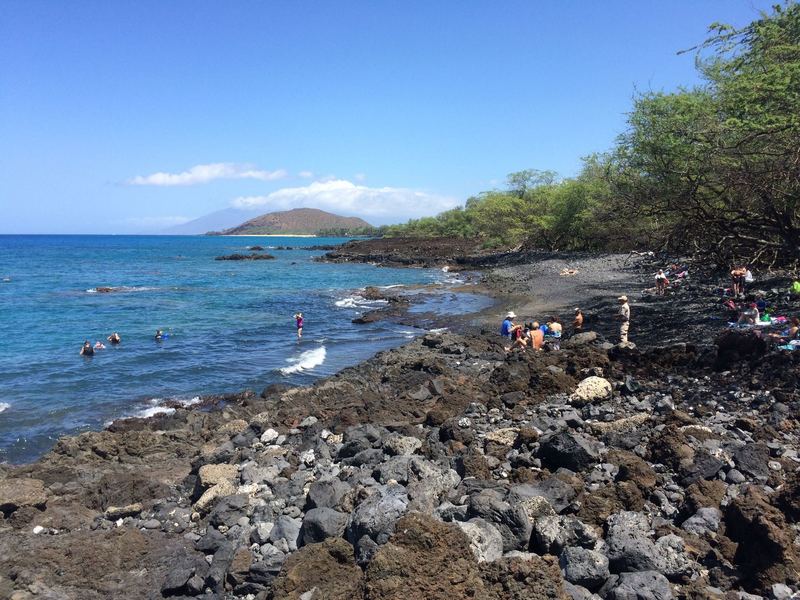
[661, 282]
[624, 315]
[577, 323]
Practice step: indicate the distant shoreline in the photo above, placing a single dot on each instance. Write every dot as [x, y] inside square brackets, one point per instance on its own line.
[298, 235]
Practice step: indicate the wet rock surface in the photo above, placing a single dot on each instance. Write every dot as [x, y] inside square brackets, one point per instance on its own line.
[443, 469]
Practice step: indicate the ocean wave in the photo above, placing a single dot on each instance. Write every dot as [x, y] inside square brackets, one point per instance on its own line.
[146, 413]
[122, 288]
[156, 408]
[439, 330]
[359, 302]
[4, 406]
[305, 361]
[189, 402]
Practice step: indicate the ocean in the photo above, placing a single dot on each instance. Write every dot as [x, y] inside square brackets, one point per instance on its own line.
[230, 325]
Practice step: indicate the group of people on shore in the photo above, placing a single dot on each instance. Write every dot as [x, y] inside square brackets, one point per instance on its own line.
[534, 335]
[530, 334]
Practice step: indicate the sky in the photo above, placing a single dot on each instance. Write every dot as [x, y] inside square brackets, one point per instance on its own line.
[130, 117]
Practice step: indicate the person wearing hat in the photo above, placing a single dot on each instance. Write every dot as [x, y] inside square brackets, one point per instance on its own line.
[577, 323]
[508, 324]
[625, 316]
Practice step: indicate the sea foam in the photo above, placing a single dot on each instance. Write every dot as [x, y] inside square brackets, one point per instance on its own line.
[305, 361]
[4, 406]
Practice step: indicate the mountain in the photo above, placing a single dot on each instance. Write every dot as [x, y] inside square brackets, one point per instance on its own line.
[297, 220]
[216, 221]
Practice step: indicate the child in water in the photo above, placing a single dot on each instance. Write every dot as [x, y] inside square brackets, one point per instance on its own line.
[299, 322]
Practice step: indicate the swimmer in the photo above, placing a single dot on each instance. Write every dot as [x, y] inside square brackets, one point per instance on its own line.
[159, 335]
[87, 349]
[114, 338]
[98, 345]
[299, 322]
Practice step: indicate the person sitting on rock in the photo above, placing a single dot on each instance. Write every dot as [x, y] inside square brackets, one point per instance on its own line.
[536, 336]
[508, 324]
[554, 327]
[749, 316]
[791, 333]
[577, 323]
[518, 337]
[86, 349]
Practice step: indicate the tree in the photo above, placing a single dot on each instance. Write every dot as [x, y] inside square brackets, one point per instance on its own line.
[717, 168]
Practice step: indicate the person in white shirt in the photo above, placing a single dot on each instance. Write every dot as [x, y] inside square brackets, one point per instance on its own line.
[661, 282]
[624, 315]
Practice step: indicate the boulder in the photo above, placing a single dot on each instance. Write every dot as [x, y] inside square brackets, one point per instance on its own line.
[510, 519]
[286, 528]
[579, 339]
[326, 570]
[327, 493]
[485, 540]
[375, 517]
[212, 494]
[703, 522]
[503, 437]
[629, 547]
[558, 493]
[567, 449]
[587, 568]
[644, 585]
[213, 474]
[320, 524]
[228, 510]
[553, 534]
[765, 541]
[16, 493]
[590, 390]
[425, 560]
[753, 460]
[402, 445]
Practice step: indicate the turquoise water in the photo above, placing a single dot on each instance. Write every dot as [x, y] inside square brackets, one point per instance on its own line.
[230, 326]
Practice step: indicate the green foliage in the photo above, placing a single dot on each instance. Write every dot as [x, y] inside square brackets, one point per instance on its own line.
[536, 209]
[714, 169]
[350, 232]
[717, 168]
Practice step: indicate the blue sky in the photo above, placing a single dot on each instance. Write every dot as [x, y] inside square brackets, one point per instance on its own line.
[125, 117]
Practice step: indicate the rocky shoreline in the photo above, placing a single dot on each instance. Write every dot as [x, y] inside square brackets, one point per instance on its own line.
[445, 468]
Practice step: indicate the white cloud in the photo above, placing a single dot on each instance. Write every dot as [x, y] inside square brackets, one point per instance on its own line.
[306, 174]
[359, 176]
[384, 204]
[206, 173]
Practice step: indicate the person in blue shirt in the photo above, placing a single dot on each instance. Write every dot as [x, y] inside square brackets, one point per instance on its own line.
[508, 325]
